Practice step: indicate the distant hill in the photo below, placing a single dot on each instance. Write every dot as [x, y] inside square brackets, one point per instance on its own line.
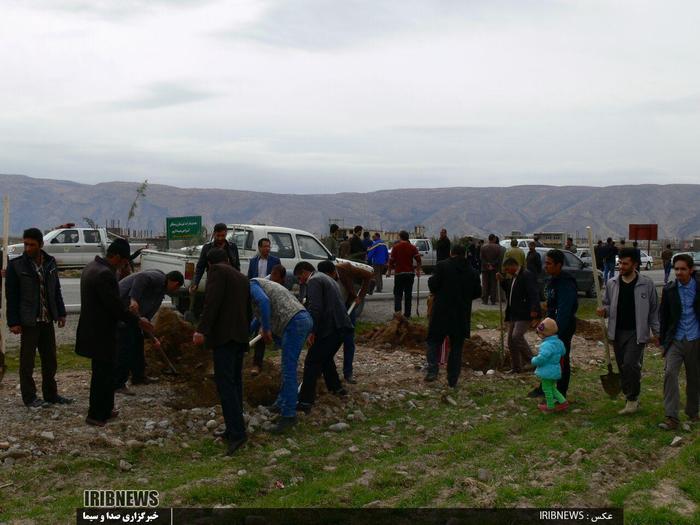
[45, 203]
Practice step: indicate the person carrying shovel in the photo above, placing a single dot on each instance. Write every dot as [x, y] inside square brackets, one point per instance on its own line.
[631, 305]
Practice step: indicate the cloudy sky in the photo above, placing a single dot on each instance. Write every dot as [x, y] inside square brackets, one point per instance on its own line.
[332, 95]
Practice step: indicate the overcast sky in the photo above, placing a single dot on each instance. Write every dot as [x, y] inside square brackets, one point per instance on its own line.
[331, 95]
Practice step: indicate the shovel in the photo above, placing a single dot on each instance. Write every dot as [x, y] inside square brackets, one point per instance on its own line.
[497, 359]
[418, 296]
[610, 381]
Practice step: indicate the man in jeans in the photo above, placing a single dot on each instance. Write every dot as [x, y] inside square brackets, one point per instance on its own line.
[680, 337]
[522, 308]
[667, 257]
[34, 304]
[608, 253]
[331, 321]
[280, 316]
[401, 262]
[378, 256]
[631, 305]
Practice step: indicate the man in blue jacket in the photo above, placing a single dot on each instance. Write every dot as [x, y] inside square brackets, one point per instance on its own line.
[378, 257]
[262, 264]
[562, 303]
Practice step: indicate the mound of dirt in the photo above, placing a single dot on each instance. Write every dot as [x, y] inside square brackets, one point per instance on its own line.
[401, 334]
[479, 354]
[194, 384]
[590, 330]
[397, 332]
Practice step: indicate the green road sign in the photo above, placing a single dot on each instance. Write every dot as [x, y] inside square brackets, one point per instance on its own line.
[178, 228]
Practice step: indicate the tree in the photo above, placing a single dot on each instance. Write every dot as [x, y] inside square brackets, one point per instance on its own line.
[140, 194]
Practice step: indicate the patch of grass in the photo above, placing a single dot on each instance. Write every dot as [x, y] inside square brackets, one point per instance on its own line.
[525, 452]
[65, 356]
[587, 308]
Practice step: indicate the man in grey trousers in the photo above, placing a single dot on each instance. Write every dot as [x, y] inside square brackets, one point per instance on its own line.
[680, 336]
[631, 305]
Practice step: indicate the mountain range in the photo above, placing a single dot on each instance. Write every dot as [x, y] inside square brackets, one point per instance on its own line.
[46, 203]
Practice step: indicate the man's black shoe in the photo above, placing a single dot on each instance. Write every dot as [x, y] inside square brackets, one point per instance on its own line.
[283, 423]
[341, 392]
[60, 400]
[235, 445]
[304, 407]
[430, 378]
[535, 393]
[36, 403]
[350, 380]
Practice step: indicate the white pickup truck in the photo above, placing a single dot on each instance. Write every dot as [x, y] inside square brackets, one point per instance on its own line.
[290, 245]
[74, 247]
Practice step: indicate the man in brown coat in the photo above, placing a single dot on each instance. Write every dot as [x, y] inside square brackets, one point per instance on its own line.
[224, 325]
[491, 259]
[100, 311]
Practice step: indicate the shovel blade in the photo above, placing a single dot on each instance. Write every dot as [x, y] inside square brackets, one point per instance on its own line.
[611, 384]
[3, 368]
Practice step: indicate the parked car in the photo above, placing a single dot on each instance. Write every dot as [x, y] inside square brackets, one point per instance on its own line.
[75, 247]
[290, 245]
[585, 255]
[647, 261]
[581, 270]
[523, 244]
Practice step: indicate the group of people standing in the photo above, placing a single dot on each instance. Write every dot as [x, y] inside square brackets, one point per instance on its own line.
[114, 318]
[116, 315]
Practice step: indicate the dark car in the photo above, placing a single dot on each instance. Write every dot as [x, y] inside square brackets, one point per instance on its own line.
[582, 272]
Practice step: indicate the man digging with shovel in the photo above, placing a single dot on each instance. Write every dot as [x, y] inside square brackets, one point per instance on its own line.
[631, 305]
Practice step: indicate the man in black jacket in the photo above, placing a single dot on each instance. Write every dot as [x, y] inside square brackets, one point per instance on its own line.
[100, 311]
[331, 322]
[523, 307]
[219, 241]
[454, 285]
[224, 326]
[680, 336]
[358, 252]
[34, 304]
[143, 293]
[442, 246]
[562, 304]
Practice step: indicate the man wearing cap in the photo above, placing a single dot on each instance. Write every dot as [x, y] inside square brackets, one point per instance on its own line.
[100, 310]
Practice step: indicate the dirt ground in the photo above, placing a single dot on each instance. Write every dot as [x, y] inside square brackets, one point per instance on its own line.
[166, 410]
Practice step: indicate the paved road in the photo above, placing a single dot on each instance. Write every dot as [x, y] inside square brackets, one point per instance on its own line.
[71, 289]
